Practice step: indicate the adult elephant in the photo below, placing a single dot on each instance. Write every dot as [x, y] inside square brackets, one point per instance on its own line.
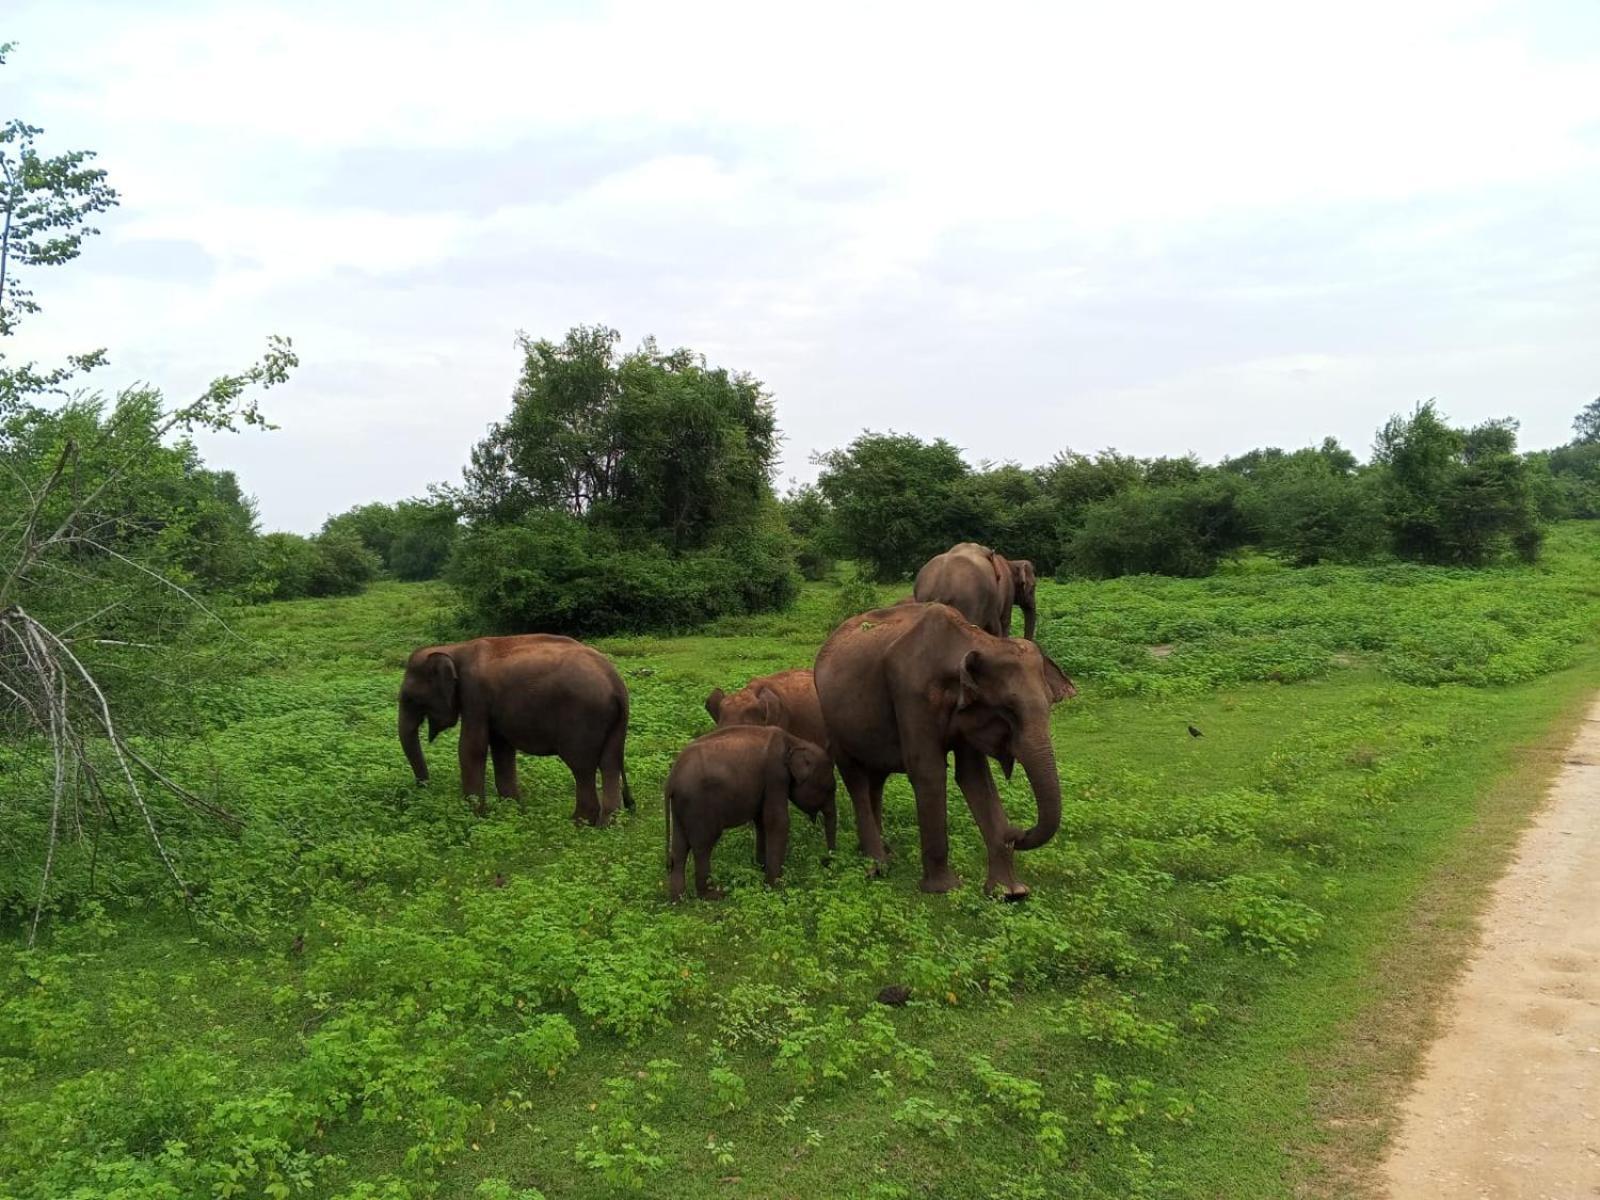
[982, 586]
[904, 688]
[537, 693]
[787, 700]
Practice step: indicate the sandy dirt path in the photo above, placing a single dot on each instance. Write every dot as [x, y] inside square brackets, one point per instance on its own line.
[1508, 1101]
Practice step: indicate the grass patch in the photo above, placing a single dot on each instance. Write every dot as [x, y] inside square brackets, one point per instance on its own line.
[428, 1004]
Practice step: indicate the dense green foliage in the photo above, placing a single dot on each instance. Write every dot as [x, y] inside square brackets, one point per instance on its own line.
[486, 1006]
[622, 492]
[412, 539]
[1432, 493]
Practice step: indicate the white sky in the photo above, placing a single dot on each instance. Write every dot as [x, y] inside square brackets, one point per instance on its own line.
[1162, 227]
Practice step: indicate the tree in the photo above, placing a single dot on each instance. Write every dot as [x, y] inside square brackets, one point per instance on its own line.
[897, 500]
[45, 205]
[1455, 495]
[622, 492]
[1587, 423]
[651, 442]
[96, 511]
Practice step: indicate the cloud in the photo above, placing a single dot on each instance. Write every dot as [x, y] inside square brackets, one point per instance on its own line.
[1155, 225]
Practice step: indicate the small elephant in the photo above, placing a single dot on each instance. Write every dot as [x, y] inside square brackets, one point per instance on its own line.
[738, 775]
[787, 700]
[982, 586]
[538, 693]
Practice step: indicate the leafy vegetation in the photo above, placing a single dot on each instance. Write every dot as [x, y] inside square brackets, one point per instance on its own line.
[627, 492]
[1432, 493]
[421, 1003]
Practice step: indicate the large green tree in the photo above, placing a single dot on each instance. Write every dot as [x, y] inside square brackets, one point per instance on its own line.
[897, 500]
[649, 442]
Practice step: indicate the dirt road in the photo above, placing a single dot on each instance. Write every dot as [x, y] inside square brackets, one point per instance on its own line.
[1508, 1102]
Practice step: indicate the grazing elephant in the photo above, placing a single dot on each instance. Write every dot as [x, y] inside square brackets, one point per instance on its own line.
[787, 700]
[537, 693]
[904, 687]
[734, 776]
[982, 586]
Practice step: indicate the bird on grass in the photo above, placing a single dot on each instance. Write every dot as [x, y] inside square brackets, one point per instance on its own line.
[1193, 732]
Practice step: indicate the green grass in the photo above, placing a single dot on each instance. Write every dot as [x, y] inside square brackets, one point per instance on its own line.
[1224, 969]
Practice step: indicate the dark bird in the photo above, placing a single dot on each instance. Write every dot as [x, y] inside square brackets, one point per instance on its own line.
[894, 995]
[298, 946]
[499, 879]
[1193, 732]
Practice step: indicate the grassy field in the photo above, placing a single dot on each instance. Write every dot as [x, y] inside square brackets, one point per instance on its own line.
[1224, 968]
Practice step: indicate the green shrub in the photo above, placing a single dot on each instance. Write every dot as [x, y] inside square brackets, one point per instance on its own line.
[553, 573]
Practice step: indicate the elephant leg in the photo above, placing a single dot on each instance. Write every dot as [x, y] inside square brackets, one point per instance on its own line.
[929, 774]
[775, 842]
[677, 854]
[505, 769]
[875, 792]
[472, 751]
[976, 782]
[868, 834]
[611, 771]
[587, 809]
[702, 873]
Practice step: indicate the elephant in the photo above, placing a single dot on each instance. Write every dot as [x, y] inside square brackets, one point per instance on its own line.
[734, 776]
[787, 699]
[982, 586]
[538, 693]
[904, 687]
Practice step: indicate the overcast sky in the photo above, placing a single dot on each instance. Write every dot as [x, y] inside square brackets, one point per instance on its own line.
[1160, 227]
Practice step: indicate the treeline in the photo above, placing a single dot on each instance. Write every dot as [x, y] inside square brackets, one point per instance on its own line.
[632, 491]
[161, 509]
[1431, 492]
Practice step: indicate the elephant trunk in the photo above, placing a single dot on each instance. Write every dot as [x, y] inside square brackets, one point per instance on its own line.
[1038, 761]
[411, 743]
[1030, 616]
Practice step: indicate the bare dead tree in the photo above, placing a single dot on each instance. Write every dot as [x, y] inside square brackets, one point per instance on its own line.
[91, 769]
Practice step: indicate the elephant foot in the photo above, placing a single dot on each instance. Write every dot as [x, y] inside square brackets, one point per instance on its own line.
[877, 869]
[480, 807]
[1006, 889]
[711, 893]
[940, 879]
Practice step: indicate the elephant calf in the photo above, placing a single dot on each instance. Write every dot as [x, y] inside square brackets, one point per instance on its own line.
[787, 700]
[735, 776]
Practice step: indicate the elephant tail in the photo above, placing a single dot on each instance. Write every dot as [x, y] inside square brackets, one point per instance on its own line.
[666, 803]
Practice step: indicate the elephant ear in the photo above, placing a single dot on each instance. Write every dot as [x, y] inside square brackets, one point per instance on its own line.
[444, 688]
[771, 707]
[972, 671]
[1056, 681]
[714, 702]
[803, 758]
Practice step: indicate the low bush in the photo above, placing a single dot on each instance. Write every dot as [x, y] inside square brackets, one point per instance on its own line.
[552, 573]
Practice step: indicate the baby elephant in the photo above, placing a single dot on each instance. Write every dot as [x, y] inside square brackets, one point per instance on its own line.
[740, 774]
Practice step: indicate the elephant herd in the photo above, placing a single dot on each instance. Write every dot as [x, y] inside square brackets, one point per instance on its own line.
[898, 690]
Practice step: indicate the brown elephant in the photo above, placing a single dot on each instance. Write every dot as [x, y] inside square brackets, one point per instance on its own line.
[787, 700]
[982, 586]
[537, 693]
[904, 687]
[735, 776]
